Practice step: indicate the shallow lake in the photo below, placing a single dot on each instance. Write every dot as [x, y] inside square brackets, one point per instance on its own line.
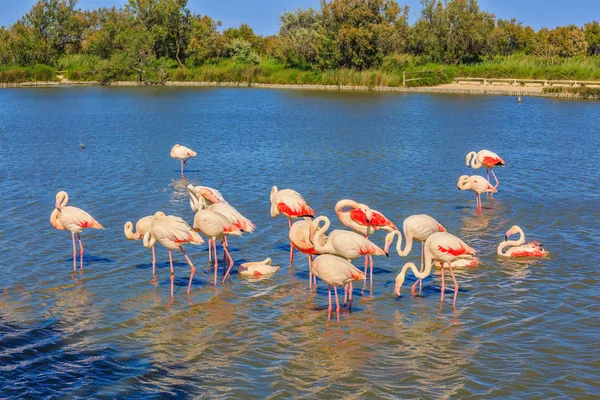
[524, 328]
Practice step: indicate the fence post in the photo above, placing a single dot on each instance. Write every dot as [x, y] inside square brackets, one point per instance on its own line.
[403, 78]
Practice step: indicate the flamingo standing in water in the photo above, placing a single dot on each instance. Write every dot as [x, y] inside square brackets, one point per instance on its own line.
[479, 185]
[203, 197]
[141, 227]
[445, 248]
[216, 226]
[522, 249]
[363, 220]
[172, 232]
[183, 154]
[74, 220]
[416, 227]
[291, 204]
[487, 159]
[335, 271]
[300, 238]
[346, 244]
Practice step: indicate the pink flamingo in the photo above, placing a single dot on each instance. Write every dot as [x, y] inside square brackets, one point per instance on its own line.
[74, 220]
[291, 204]
[443, 247]
[203, 197]
[300, 239]
[522, 249]
[363, 220]
[141, 227]
[479, 185]
[416, 227]
[346, 244]
[183, 154]
[487, 159]
[335, 271]
[216, 226]
[257, 268]
[172, 232]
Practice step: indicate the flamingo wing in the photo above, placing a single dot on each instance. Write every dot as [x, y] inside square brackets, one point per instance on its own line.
[75, 219]
[291, 203]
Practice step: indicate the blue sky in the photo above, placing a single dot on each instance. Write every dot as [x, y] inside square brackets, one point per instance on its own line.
[263, 15]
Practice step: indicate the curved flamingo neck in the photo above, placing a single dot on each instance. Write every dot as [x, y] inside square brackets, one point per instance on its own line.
[320, 231]
[464, 185]
[507, 243]
[407, 246]
[149, 239]
[343, 204]
[475, 161]
[129, 231]
[194, 202]
[54, 220]
[420, 275]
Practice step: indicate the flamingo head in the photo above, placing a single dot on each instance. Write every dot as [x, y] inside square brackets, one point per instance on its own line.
[367, 211]
[129, 231]
[208, 195]
[510, 232]
[389, 238]
[61, 200]
[398, 285]
[463, 183]
[273, 191]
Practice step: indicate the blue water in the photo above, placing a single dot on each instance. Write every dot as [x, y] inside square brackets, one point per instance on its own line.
[521, 329]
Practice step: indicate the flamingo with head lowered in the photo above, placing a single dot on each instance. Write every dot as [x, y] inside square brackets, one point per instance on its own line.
[479, 185]
[183, 154]
[361, 219]
[416, 228]
[486, 159]
[443, 247]
[172, 232]
[300, 238]
[521, 249]
[74, 220]
[291, 204]
[346, 244]
[141, 227]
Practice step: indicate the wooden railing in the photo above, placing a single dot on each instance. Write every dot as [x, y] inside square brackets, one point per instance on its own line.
[521, 82]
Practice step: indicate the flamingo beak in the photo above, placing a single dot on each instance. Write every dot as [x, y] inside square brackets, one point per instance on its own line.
[397, 291]
[310, 237]
[506, 238]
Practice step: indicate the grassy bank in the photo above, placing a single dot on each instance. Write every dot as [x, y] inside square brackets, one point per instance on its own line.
[90, 68]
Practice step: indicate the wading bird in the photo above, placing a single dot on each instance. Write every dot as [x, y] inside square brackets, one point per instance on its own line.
[291, 204]
[479, 185]
[486, 159]
[172, 232]
[215, 226]
[521, 249]
[74, 220]
[183, 154]
[141, 227]
[300, 237]
[416, 227]
[445, 248]
[257, 268]
[336, 271]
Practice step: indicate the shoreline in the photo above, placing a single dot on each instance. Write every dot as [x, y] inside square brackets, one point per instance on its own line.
[456, 89]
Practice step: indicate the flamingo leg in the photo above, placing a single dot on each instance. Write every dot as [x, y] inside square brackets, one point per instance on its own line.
[74, 253]
[172, 272]
[80, 251]
[153, 262]
[350, 289]
[345, 294]
[496, 178]
[310, 280]
[226, 250]
[371, 262]
[214, 243]
[330, 307]
[181, 161]
[455, 285]
[337, 302]
[366, 261]
[443, 285]
[422, 266]
[192, 269]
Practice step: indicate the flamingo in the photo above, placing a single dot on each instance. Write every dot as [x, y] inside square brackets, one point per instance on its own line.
[300, 238]
[479, 185]
[336, 271]
[258, 268]
[487, 159]
[416, 227]
[74, 220]
[216, 226]
[346, 244]
[141, 227]
[291, 204]
[203, 197]
[461, 263]
[362, 219]
[172, 232]
[522, 249]
[183, 154]
[443, 247]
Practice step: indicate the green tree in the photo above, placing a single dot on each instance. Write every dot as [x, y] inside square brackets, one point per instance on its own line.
[592, 37]
[509, 37]
[205, 41]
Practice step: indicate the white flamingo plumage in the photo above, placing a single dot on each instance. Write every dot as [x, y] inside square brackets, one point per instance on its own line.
[215, 226]
[172, 232]
[257, 268]
[521, 249]
[203, 197]
[335, 271]
[416, 228]
[445, 248]
[479, 185]
[141, 227]
[183, 154]
[488, 160]
[74, 220]
[300, 238]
